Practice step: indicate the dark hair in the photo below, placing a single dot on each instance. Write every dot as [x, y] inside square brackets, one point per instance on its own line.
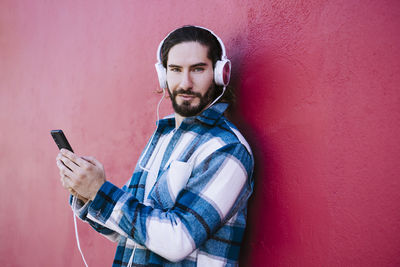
[196, 34]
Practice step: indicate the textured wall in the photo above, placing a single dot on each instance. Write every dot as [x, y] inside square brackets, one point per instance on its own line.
[318, 98]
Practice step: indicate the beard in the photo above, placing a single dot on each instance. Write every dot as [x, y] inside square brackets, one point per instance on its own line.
[185, 109]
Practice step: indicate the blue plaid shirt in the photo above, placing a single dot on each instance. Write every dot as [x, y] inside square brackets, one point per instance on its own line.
[195, 213]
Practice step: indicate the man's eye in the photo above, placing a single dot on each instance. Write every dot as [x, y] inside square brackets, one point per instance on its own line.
[198, 69]
[174, 69]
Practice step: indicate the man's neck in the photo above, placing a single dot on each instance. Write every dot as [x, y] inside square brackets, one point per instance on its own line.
[178, 120]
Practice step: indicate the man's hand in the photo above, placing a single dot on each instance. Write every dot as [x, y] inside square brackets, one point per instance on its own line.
[82, 175]
[72, 192]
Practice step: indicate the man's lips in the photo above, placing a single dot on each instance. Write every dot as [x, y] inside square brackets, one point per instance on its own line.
[186, 96]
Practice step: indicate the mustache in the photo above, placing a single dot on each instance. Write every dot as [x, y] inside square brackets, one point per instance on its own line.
[186, 92]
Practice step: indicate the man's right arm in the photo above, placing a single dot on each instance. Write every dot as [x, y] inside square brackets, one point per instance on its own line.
[220, 185]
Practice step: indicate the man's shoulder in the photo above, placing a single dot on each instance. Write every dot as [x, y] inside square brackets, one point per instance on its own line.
[226, 133]
[222, 139]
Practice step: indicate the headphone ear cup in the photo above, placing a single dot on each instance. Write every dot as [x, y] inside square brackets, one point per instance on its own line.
[162, 75]
[222, 72]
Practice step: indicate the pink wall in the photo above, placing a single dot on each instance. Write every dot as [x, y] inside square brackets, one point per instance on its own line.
[319, 99]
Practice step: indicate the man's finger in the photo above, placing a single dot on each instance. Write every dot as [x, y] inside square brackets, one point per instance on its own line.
[66, 182]
[65, 154]
[88, 159]
[64, 170]
[92, 160]
[74, 158]
[69, 164]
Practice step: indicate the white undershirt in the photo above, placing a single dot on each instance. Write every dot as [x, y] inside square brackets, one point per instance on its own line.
[155, 162]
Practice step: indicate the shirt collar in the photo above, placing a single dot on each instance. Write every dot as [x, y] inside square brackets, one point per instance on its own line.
[209, 116]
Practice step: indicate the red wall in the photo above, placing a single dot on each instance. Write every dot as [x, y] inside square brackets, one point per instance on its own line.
[318, 99]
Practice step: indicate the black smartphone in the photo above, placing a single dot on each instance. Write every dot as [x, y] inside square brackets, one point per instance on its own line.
[61, 140]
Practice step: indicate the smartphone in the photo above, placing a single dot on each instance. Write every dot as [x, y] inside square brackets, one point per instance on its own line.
[61, 140]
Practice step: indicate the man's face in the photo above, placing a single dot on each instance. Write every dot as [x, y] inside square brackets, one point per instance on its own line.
[190, 78]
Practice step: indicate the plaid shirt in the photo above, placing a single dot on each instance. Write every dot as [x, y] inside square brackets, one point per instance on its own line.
[195, 214]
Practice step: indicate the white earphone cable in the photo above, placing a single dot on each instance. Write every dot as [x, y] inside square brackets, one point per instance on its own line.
[215, 100]
[76, 230]
[151, 139]
[131, 258]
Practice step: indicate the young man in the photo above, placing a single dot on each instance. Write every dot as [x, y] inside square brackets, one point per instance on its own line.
[186, 202]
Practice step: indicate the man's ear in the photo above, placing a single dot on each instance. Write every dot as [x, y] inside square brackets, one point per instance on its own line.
[162, 74]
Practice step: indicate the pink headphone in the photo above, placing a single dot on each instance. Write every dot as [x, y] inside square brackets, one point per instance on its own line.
[222, 69]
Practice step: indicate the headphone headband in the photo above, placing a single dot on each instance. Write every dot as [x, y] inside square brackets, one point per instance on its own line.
[222, 69]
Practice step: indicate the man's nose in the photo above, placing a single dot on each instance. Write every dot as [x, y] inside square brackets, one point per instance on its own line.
[186, 81]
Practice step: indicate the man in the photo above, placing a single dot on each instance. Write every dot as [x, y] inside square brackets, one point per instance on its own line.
[186, 202]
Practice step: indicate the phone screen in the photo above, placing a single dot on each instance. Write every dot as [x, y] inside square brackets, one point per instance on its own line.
[61, 140]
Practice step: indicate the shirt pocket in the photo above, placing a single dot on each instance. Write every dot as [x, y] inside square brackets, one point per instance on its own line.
[170, 183]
